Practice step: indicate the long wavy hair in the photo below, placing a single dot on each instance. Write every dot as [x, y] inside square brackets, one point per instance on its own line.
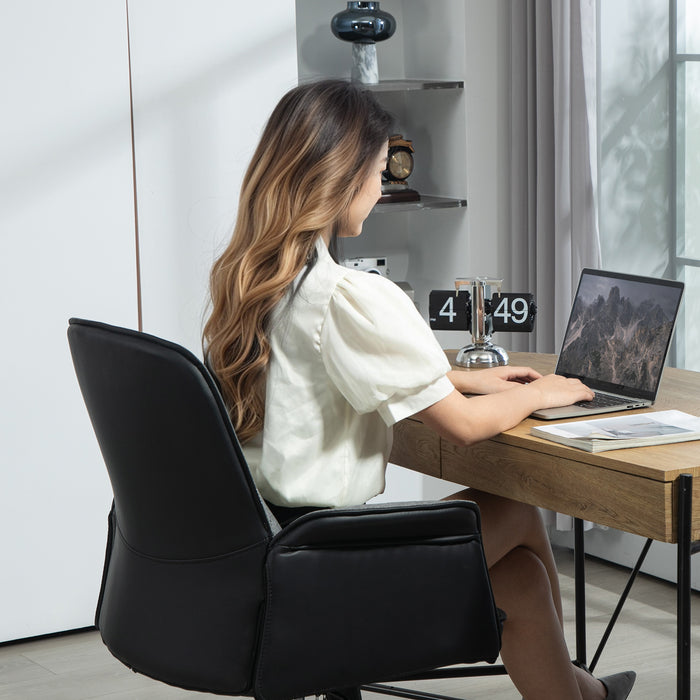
[313, 157]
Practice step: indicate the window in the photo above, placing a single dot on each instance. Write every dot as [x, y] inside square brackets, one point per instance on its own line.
[649, 149]
[684, 112]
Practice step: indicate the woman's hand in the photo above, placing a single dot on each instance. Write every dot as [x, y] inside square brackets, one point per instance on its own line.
[492, 380]
[555, 390]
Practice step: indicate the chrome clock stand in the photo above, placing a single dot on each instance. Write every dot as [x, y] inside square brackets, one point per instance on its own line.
[482, 352]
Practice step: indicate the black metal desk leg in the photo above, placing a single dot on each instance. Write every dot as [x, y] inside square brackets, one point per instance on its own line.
[580, 590]
[685, 512]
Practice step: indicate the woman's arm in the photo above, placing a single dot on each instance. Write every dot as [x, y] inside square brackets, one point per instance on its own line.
[491, 380]
[466, 421]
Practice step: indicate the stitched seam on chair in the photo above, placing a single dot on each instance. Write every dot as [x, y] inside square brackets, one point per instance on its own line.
[266, 626]
[198, 560]
[378, 544]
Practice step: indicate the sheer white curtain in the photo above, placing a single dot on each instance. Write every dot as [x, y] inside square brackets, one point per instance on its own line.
[554, 231]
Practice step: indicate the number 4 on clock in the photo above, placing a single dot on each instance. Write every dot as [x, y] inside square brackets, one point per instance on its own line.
[448, 310]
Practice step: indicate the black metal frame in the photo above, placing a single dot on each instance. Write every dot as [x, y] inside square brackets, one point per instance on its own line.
[451, 672]
[686, 549]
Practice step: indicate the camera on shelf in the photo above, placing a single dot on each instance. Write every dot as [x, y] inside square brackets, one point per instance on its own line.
[377, 266]
[469, 308]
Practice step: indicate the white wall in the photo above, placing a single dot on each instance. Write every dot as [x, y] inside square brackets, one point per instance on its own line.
[206, 73]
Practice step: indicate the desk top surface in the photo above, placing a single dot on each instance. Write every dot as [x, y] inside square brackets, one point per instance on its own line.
[680, 389]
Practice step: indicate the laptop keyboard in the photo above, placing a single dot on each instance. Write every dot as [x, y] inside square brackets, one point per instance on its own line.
[603, 401]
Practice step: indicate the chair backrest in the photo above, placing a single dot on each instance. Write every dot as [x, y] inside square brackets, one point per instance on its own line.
[183, 580]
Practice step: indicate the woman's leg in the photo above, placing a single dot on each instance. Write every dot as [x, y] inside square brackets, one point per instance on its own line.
[507, 524]
[533, 648]
[526, 585]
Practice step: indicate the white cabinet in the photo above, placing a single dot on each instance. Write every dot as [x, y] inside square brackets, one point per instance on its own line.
[206, 75]
[66, 249]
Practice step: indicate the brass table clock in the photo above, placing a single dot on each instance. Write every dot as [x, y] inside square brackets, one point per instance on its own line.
[399, 166]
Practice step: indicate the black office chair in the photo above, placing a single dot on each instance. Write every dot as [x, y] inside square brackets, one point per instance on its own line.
[203, 590]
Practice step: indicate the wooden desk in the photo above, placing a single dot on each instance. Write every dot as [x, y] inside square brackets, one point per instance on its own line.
[635, 490]
[631, 490]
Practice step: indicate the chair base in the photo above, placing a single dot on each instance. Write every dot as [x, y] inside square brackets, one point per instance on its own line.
[452, 672]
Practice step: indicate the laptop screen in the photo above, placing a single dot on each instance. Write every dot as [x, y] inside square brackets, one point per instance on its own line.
[619, 332]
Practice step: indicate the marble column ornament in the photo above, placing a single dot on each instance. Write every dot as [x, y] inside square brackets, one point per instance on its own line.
[364, 63]
[363, 23]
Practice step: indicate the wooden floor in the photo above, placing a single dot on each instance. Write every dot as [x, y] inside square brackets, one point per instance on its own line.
[78, 667]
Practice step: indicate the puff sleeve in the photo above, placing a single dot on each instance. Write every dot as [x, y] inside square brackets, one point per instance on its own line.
[379, 352]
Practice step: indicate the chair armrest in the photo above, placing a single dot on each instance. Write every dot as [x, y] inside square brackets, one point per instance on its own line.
[392, 521]
[357, 595]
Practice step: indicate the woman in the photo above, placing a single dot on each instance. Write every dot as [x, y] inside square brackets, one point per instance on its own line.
[317, 362]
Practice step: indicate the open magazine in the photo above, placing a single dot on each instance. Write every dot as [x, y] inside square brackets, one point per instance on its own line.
[630, 430]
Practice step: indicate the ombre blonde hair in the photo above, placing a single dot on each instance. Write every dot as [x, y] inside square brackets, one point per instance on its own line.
[313, 157]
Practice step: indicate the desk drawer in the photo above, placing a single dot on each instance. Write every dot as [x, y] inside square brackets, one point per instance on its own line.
[623, 501]
[416, 447]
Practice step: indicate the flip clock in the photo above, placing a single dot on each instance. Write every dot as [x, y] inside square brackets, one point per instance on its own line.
[470, 308]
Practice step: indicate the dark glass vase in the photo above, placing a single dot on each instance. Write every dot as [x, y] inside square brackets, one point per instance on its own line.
[363, 22]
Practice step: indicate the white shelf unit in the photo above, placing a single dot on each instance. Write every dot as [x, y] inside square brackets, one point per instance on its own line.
[426, 241]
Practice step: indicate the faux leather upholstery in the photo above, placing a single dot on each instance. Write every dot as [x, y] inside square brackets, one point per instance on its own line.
[184, 581]
[387, 590]
[202, 590]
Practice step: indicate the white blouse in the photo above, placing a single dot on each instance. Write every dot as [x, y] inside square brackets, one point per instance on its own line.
[350, 357]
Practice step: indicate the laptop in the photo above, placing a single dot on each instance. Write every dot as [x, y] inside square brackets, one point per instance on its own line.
[616, 341]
